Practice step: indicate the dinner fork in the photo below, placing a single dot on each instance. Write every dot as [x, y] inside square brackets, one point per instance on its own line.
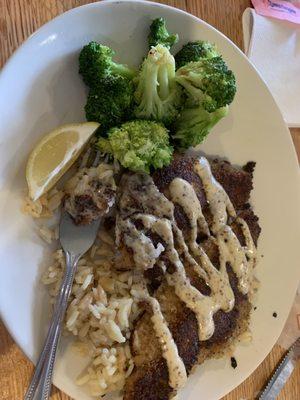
[75, 241]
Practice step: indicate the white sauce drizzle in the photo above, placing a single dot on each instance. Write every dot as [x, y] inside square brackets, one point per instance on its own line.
[203, 306]
[222, 296]
[176, 367]
[145, 254]
[217, 198]
[158, 217]
[177, 371]
[183, 193]
[241, 258]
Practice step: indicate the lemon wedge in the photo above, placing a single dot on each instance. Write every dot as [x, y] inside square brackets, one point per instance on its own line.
[54, 155]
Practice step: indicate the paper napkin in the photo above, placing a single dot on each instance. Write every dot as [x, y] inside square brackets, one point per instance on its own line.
[273, 46]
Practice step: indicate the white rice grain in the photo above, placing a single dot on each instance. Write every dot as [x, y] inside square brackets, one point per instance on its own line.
[46, 234]
[72, 319]
[114, 331]
[102, 304]
[83, 380]
[87, 281]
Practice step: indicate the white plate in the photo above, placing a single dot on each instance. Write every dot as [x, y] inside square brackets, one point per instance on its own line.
[40, 89]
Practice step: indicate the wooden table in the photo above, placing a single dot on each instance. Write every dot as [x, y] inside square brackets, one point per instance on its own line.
[18, 19]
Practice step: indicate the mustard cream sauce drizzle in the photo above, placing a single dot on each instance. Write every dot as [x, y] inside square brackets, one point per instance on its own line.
[203, 306]
[158, 217]
[176, 367]
[183, 193]
[145, 254]
[219, 202]
[177, 371]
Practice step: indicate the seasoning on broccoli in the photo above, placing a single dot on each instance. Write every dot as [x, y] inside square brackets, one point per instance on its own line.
[194, 124]
[110, 102]
[208, 82]
[160, 35]
[195, 51]
[157, 96]
[138, 145]
[95, 63]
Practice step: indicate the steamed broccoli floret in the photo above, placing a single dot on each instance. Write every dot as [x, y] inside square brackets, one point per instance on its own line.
[195, 51]
[157, 96]
[159, 34]
[210, 87]
[110, 102]
[194, 124]
[95, 63]
[138, 145]
[208, 83]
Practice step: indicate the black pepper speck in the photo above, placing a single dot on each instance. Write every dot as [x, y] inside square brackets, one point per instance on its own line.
[275, 314]
[233, 362]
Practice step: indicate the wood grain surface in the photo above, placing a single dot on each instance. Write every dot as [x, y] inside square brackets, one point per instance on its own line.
[18, 19]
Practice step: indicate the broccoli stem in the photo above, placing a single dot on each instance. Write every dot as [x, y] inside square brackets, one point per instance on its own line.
[197, 95]
[194, 124]
[163, 79]
[150, 97]
[122, 70]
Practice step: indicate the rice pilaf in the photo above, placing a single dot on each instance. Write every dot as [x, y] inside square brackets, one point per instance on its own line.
[103, 303]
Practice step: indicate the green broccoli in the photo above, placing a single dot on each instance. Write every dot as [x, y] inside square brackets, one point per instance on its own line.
[157, 96]
[138, 145]
[208, 82]
[194, 124]
[110, 102]
[95, 63]
[195, 51]
[159, 34]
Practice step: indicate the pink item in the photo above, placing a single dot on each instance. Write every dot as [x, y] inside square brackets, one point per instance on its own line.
[280, 9]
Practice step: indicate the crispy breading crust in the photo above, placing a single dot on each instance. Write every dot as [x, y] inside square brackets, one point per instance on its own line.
[149, 380]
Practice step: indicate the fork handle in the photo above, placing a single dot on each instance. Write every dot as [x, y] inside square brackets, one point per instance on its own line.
[40, 386]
